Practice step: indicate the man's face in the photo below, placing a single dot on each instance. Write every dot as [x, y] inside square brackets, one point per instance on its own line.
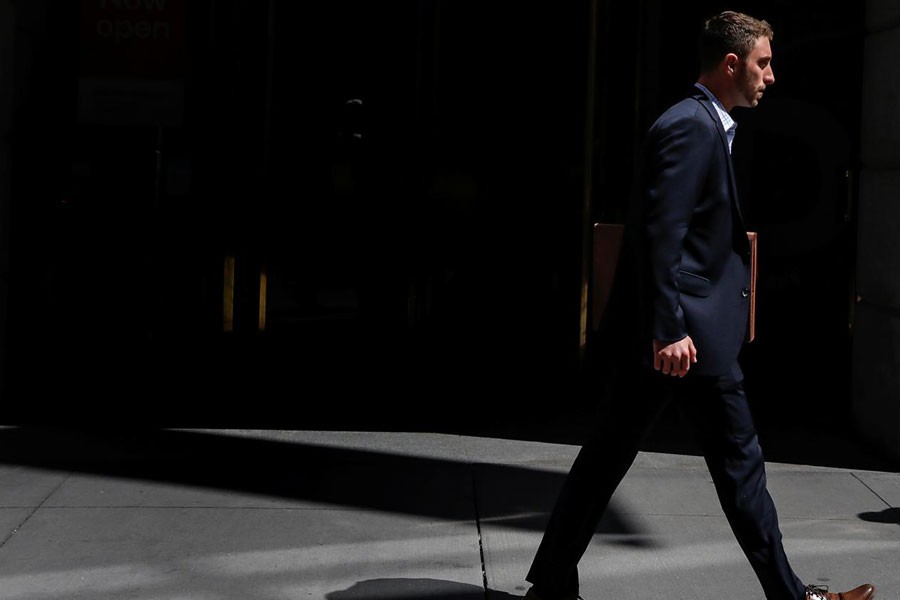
[755, 73]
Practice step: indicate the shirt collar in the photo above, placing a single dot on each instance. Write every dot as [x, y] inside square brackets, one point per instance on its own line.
[727, 122]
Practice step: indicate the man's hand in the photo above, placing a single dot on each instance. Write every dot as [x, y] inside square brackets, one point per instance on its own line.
[674, 359]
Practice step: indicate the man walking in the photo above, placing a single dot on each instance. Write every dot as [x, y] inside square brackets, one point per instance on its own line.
[694, 263]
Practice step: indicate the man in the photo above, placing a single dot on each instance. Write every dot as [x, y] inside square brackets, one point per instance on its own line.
[692, 253]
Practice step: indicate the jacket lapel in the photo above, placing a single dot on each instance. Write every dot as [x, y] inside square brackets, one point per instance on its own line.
[706, 103]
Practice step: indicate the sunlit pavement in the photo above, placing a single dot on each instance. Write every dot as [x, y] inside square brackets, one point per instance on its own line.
[212, 514]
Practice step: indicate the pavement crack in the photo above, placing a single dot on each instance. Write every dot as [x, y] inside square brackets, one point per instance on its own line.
[484, 580]
[868, 487]
[15, 529]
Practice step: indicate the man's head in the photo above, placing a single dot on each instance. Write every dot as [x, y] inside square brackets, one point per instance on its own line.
[735, 58]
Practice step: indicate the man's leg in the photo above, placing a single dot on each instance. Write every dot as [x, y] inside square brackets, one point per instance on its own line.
[719, 408]
[600, 465]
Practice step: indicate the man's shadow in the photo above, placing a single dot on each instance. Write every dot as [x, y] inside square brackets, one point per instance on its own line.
[417, 589]
[888, 515]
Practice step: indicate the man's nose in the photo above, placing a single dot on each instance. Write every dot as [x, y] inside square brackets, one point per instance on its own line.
[769, 76]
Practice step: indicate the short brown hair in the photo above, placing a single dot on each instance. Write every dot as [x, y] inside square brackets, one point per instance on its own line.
[729, 32]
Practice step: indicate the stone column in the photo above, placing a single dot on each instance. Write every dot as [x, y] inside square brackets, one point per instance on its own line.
[7, 34]
[876, 333]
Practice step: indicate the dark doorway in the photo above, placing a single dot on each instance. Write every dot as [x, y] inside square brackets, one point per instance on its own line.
[355, 198]
[401, 187]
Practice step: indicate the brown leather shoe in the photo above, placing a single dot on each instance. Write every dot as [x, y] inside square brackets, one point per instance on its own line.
[818, 592]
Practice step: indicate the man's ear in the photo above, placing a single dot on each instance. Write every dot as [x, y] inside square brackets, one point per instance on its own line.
[731, 63]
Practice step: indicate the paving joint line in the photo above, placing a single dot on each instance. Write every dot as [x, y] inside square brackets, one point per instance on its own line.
[34, 510]
[484, 581]
[877, 495]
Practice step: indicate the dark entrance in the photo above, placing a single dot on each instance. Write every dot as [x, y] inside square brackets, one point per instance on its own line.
[358, 196]
[354, 198]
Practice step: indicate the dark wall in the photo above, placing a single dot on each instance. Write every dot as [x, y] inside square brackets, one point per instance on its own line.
[409, 178]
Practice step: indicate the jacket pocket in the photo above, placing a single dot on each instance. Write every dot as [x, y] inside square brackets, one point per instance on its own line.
[693, 284]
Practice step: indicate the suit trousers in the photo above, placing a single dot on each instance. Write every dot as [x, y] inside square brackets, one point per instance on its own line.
[717, 408]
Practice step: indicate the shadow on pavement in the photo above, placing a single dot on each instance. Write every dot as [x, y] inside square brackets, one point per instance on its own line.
[515, 496]
[888, 515]
[417, 589]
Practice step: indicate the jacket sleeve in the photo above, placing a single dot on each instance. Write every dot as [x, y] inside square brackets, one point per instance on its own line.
[677, 162]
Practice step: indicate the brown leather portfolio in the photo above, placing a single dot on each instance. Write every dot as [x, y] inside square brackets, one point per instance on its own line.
[751, 325]
[607, 247]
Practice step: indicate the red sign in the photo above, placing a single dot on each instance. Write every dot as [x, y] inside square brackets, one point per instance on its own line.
[134, 39]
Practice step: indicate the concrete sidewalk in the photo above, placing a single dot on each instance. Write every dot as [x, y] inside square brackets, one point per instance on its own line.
[227, 514]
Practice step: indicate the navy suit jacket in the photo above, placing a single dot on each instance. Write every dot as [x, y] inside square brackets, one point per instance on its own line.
[694, 250]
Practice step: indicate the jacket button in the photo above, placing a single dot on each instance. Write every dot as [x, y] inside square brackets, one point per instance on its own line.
[745, 292]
